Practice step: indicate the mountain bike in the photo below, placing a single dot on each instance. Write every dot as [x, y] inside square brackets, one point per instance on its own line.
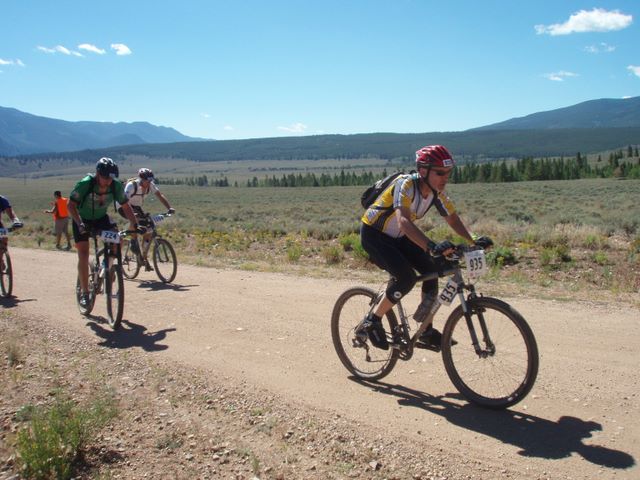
[6, 269]
[488, 349]
[105, 275]
[165, 262]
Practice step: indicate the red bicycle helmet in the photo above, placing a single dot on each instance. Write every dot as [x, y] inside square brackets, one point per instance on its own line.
[434, 156]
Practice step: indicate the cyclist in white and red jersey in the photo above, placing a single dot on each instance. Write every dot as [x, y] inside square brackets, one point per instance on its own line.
[136, 190]
[394, 243]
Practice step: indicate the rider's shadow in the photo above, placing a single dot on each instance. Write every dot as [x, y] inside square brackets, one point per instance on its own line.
[535, 436]
[155, 285]
[133, 336]
[12, 301]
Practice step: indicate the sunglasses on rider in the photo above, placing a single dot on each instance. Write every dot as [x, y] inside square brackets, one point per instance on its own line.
[442, 173]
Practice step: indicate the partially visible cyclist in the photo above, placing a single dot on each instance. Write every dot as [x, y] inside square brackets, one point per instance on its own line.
[136, 190]
[5, 207]
[88, 205]
[396, 244]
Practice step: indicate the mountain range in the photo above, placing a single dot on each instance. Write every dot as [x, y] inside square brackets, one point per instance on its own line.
[22, 134]
[595, 125]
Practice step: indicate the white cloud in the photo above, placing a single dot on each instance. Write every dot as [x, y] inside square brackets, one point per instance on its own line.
[596, 20]
[121, 49]
[635, 69]
[17, 62]
[205, 115]
[559, 76]
[294, 128]
[601, 47]
[228, 128]
[59, 49]
[91, 48]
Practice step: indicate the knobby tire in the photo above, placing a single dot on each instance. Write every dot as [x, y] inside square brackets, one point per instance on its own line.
[498, 380]
[114, 292]
[130, 264]
[362, 359]
[164, 260]
[6, 275]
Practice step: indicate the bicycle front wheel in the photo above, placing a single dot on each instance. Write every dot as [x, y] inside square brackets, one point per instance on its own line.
[114, 291]
[6, 274]
[164, 260]
[358, 355]
[130, 263]
[505, 368]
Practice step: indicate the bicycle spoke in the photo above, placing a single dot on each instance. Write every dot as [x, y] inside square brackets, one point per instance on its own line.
[495, 380]
[359, 356]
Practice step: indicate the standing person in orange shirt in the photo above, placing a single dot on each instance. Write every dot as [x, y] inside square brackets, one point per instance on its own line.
[60, 219]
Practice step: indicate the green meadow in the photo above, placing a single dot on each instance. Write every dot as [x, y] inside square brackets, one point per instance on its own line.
[580, 235]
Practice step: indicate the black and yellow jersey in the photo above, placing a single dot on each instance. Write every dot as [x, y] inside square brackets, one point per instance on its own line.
[404, 192]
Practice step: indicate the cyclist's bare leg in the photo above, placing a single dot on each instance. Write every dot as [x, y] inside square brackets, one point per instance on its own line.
[145, 252]
[383, 307]
[83, 265]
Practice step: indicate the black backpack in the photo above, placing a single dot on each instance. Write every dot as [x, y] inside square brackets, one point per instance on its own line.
[373, 192]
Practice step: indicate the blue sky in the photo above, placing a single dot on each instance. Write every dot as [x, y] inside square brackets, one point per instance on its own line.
[248, 69]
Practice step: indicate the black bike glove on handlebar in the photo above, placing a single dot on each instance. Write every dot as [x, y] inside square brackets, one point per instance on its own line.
[140, 229]
[483, 242]
[171, 211]
[442, 247]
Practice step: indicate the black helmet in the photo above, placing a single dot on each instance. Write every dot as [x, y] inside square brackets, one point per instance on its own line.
[107, 168]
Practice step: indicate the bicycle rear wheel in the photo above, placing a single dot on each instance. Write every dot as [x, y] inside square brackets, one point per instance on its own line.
[505, 370]
[164, 260]
[6, 274]
[114, 291]
[130, 264]
[358, 356]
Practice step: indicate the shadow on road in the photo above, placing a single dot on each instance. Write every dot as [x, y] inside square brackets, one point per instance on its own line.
[156, 285]
[535, 436]
[12, 301]
[129, 335]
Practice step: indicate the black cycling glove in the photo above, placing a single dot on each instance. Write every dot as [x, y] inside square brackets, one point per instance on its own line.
[442, 247]
[483, 242]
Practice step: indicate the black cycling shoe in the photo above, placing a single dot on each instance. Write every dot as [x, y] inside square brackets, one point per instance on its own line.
[431, 339]
[376, 333]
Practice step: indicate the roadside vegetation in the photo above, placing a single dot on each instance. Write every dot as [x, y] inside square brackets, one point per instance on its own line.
[580, 237]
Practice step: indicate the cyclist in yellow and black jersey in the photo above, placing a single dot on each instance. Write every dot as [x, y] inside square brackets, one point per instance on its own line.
[394, 243]
[404, 193]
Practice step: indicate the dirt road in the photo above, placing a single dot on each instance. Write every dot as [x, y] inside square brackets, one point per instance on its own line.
[272, 331]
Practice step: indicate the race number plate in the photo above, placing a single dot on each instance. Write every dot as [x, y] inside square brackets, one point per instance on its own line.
[476, 263]
[448, 293]
[158, 218]
[110, 237]
[4, 233]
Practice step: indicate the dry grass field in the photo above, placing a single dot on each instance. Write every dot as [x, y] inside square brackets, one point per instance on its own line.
[572, 236]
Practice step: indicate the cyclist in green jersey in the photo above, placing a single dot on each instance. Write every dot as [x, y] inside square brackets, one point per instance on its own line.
[88, 205]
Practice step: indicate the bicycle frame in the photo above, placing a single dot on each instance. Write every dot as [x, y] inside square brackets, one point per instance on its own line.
[405, 342]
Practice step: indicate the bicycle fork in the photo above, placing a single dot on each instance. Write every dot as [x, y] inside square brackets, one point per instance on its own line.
[490, 349]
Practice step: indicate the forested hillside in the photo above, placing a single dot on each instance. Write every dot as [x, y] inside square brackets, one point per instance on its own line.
[470, 146]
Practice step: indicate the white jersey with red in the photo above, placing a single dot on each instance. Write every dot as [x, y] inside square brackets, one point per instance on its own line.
[135, 192]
